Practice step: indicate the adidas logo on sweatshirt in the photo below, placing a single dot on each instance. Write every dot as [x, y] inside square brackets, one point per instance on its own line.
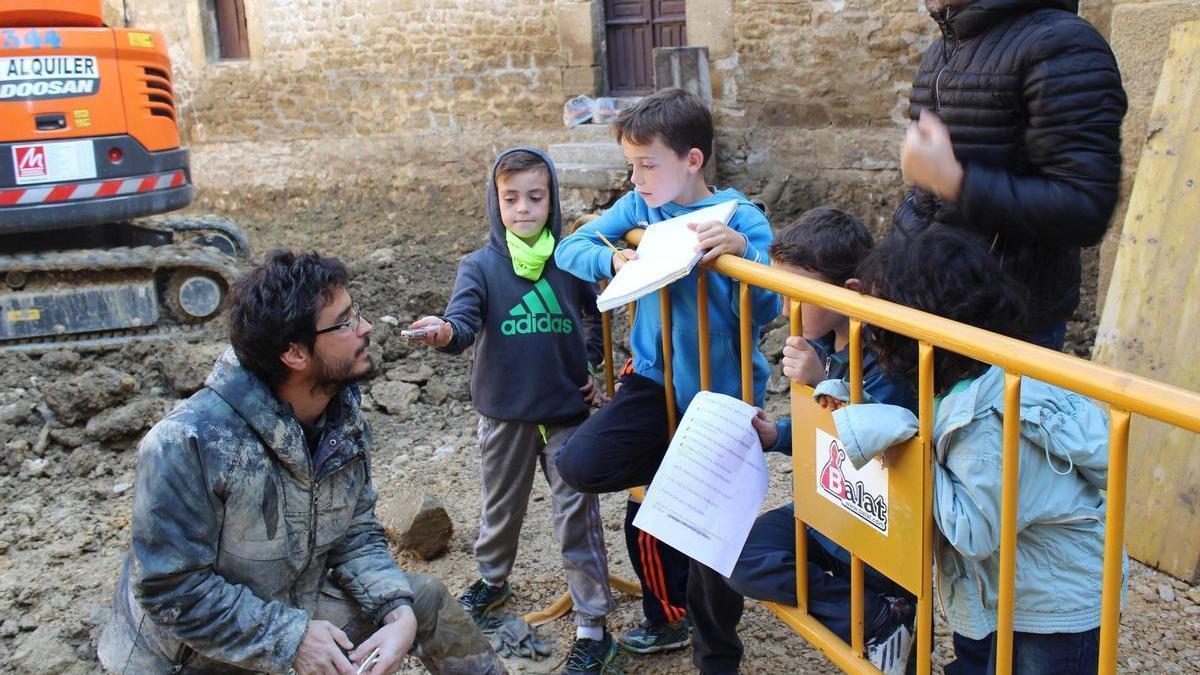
[538, 312]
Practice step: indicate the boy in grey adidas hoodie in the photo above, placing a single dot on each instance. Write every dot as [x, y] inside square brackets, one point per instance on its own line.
[531, 386]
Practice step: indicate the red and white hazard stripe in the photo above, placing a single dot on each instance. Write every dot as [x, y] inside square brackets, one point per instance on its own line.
[48, 194]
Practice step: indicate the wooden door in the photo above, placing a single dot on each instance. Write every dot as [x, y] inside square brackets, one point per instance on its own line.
[633, 29]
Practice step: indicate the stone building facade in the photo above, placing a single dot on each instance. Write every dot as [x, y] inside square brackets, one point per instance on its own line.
[384, 114]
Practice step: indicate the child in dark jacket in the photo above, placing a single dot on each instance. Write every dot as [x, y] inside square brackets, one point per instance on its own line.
[531, 386]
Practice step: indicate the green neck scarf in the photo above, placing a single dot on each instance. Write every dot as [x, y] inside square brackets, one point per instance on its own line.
[527, 260]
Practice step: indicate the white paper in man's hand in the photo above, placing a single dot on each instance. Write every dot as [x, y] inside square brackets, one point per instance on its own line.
[711, 483]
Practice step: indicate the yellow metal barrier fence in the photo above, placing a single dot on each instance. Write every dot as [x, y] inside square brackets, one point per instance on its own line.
[1125, 394]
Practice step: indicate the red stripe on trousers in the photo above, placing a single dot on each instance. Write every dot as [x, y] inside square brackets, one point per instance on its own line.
[655, 546]
[655, 579]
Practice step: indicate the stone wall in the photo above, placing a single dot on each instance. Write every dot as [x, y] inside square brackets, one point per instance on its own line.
[359, 121]
[354, 120]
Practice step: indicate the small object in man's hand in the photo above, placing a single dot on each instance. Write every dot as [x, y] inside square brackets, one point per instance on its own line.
[418, 333]
[370, 661]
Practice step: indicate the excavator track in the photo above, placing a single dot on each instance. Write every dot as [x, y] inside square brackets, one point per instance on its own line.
[154, 260]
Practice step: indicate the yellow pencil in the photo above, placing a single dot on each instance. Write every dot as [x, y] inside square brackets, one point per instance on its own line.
[614, 248]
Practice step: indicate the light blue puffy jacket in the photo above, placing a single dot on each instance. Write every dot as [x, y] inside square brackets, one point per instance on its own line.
[1060, 513]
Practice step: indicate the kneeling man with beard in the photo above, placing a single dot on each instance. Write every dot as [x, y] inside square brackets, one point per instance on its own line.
[255, 546]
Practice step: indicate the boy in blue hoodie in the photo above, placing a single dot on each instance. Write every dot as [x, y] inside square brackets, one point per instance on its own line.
[532, 388]
[667, 138]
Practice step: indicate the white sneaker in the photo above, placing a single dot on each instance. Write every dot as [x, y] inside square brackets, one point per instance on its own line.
[890, 654]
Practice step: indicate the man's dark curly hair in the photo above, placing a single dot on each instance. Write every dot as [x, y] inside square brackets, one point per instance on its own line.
[947, 272]
[276, 304]
[824, 240]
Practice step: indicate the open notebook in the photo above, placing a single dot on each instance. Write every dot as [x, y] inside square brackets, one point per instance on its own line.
[666, 253]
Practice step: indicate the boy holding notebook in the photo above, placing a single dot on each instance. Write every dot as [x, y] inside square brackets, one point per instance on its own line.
[667, 138]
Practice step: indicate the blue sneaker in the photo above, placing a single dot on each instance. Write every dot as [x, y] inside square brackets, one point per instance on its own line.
[592, 656]
[481, 598]
[648, 637]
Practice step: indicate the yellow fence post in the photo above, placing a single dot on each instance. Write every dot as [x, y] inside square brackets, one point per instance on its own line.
[664, 303]
[1009, 471]
[748, 341]
[925, 432]
[702, 329]
[610, 384]
[857, 578]
[797, 329]
[1114, 539]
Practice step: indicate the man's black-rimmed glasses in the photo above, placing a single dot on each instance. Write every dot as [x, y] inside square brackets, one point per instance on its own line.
[352, 323]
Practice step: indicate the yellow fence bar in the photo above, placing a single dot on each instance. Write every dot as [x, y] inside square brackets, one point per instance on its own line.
[748, 341]
[822, 638]
[857, 623]
[857, 642]
[856, 361]
[797, 329]
[925, 430]
[664, 302]
[702, 330]
[1173, 405]
[610, 377]
[1009, 468]
[1114, 539]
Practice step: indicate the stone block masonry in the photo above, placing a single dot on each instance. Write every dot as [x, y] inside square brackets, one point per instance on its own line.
[380, 118]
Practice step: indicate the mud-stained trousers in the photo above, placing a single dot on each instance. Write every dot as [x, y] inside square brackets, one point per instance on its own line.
[509, 455]
[448, 641]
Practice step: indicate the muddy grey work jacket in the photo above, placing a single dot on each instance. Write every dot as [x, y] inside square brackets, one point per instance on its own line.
[233, 534]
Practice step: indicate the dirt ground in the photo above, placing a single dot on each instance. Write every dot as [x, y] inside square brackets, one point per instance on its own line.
[69, 423]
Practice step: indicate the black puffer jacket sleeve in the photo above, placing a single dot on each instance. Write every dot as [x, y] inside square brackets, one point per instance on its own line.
[1075, 103]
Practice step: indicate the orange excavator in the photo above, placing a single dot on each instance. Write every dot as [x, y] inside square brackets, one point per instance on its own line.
[90, 159]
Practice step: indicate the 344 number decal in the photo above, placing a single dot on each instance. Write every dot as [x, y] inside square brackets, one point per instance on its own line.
[33, 39]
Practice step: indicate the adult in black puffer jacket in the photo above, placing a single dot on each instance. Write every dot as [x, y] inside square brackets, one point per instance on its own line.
[1031, 98]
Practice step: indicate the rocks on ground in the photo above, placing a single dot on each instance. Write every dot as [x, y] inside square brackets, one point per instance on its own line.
[417, 523]
[75, 398]
[44, 651]
[395, 396]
